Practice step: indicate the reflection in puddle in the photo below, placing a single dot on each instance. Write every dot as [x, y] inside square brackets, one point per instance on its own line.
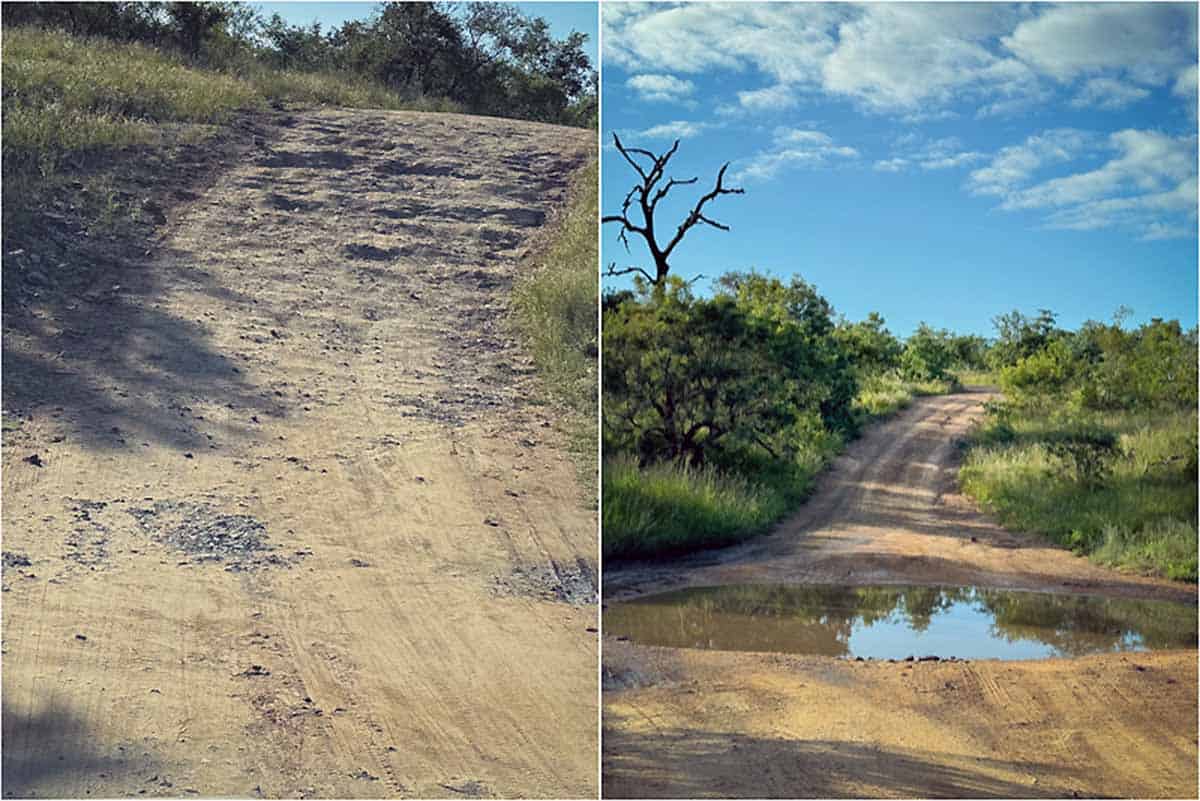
[897, 622]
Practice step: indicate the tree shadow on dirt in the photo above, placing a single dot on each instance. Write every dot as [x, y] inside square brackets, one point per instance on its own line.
[679, 763]
[48, 752]
[86, 339]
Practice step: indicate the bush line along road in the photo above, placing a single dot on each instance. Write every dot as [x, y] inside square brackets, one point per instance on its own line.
[280, 516]
[684, 723]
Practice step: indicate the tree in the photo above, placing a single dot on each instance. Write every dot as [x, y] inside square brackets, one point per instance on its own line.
[928, 354]
[868, 344]
[646, 196]
[753, 369]
[1019, 336]
[195, 24]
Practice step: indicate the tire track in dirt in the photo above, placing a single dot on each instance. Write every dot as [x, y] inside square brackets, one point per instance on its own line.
[318, 344]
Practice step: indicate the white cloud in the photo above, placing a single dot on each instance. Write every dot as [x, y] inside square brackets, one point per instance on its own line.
[1157, 230]
[953, 160]
[900, 56]
[1185, 83]
[785, 42]
[1146, 41]
[1149, 161]
[1149, 185]
[1108, 93]
[1013, 165]
[677, 129]
[891, 165]
[660, 88]
[1185, 87]
[938, 154]
[916, 60]
[771, 98]
[793, 148]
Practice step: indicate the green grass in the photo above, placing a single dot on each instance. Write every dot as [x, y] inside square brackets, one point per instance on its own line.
[1140, 515]
[554, 307]
[65, 95]
[69, 100]
[665, 509]
[984, 378]
[881, 395]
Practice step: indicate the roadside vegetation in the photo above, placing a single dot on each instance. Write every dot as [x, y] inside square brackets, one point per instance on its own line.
[720, 411]
[1095, 442]
[554, 306]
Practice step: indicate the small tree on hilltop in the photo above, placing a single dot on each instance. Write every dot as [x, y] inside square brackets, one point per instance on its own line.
[645, 197]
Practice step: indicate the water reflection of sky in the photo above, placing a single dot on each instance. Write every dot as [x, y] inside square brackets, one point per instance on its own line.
[964, 631]
[897, 622]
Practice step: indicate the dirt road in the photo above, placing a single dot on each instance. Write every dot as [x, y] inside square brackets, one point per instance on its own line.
[296, 525]
[681, 723]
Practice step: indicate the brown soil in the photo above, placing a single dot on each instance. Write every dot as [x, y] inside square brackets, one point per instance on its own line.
[700, 723]
[297, 527]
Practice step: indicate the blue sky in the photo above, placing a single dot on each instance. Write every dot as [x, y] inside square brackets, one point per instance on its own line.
[562, 17]
[941, 162]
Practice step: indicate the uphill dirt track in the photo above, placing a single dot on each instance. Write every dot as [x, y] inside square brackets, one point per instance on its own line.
[299, 527]
[684, 723]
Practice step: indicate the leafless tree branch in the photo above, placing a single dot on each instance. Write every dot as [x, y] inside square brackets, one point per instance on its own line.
[646, 196]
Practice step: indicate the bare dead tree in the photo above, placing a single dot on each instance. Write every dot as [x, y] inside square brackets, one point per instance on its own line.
[644, 198]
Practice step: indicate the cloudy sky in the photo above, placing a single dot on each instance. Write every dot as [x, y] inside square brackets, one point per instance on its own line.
[933, 162]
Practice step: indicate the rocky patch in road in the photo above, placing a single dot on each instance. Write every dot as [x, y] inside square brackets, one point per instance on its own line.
[571, 584]
[206, 534]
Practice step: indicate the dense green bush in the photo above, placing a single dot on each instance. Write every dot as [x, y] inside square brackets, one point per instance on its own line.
[753, 368]
[928, 355]
[869, 346]
[1108, 367]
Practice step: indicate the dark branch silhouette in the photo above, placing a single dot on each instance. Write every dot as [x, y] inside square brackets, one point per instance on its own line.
[646, 195]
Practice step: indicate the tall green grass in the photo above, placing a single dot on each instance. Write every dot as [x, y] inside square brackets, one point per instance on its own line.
[666, 509]
[65, 95]
[1140, 515]
[554, 308]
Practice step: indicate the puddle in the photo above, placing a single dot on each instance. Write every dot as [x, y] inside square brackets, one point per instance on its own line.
[897, 622]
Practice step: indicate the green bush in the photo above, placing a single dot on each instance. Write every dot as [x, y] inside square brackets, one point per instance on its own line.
[754, 367]
[928, 355]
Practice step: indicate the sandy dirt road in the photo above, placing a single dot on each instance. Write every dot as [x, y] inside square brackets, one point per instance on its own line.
[680, 723]
[300, 527]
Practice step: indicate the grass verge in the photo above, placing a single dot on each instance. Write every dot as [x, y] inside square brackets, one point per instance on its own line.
[1135, 509]
[554, 308]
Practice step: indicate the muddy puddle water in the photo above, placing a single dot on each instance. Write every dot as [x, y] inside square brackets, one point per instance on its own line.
[890, 622]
